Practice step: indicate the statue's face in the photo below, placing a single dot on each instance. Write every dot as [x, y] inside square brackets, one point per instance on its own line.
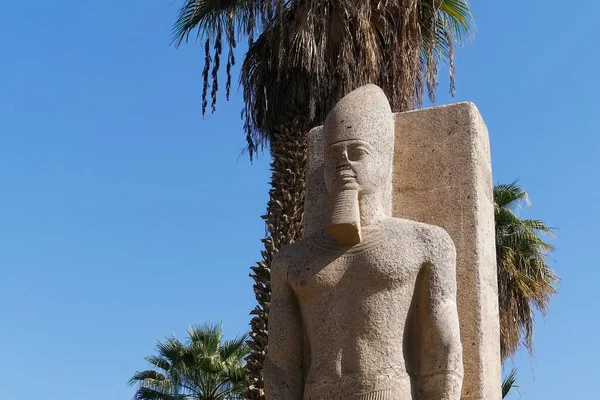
[352, 165]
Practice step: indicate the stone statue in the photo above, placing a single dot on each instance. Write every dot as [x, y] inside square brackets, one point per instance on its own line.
[365, 310]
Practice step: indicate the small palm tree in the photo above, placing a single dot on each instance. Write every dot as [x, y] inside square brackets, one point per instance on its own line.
[509, 383]
[525, 280]
[203, 368]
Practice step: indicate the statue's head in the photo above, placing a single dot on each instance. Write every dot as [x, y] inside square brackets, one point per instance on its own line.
[358, 154]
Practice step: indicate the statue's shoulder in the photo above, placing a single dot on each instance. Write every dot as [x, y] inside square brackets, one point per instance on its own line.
[433, 238]
[289, 256]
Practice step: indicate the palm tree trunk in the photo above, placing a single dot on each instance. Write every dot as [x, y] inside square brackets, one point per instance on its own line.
[285, 211]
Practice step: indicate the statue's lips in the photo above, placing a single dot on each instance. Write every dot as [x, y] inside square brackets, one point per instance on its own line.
[344, 177]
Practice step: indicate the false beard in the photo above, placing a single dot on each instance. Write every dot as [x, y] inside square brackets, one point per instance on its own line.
[345, 218]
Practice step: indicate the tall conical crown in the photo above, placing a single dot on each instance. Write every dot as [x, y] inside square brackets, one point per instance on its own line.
[364, 114]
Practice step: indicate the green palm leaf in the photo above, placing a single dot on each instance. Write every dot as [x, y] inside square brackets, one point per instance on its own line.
[159, 362]
[525, 280]
[144, 393]
[509, 383]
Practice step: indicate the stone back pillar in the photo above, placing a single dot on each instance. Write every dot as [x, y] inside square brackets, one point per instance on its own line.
[442, 176]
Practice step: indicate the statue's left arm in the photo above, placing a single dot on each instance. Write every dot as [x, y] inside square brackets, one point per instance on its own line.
[440, 351]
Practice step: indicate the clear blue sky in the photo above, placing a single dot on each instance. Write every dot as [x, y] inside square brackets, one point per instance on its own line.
[125, 216]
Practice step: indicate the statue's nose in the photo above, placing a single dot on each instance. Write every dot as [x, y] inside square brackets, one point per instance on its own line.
[344, 162]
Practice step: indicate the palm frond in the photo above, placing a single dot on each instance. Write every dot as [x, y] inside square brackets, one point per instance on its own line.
[150, 394]
[458, 13]
[209, 18]
[525, 280]
[233, 349]
[159, 362]
[141, 376]
[509, 383]
[171, 350]
[216, 23]
[444, 23]
[510, 196]
[205, 332]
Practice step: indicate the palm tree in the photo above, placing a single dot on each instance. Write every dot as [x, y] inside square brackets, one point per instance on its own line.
[525, 280]
[203, 368]
[509, 383]
[306, 56]
[318, 51]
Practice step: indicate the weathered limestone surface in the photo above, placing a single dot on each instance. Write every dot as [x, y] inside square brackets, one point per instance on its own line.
[442, 176]
[364, 307]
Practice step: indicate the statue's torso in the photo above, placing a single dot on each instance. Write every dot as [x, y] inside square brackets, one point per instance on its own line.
[355, 304]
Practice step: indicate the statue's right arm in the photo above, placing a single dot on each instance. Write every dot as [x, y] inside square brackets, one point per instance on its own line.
[440, 350]
[283, 371]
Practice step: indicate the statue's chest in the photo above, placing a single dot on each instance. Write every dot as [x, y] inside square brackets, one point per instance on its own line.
[376, 268]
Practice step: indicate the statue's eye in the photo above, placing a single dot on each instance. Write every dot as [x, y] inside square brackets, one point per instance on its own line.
[357, 152]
